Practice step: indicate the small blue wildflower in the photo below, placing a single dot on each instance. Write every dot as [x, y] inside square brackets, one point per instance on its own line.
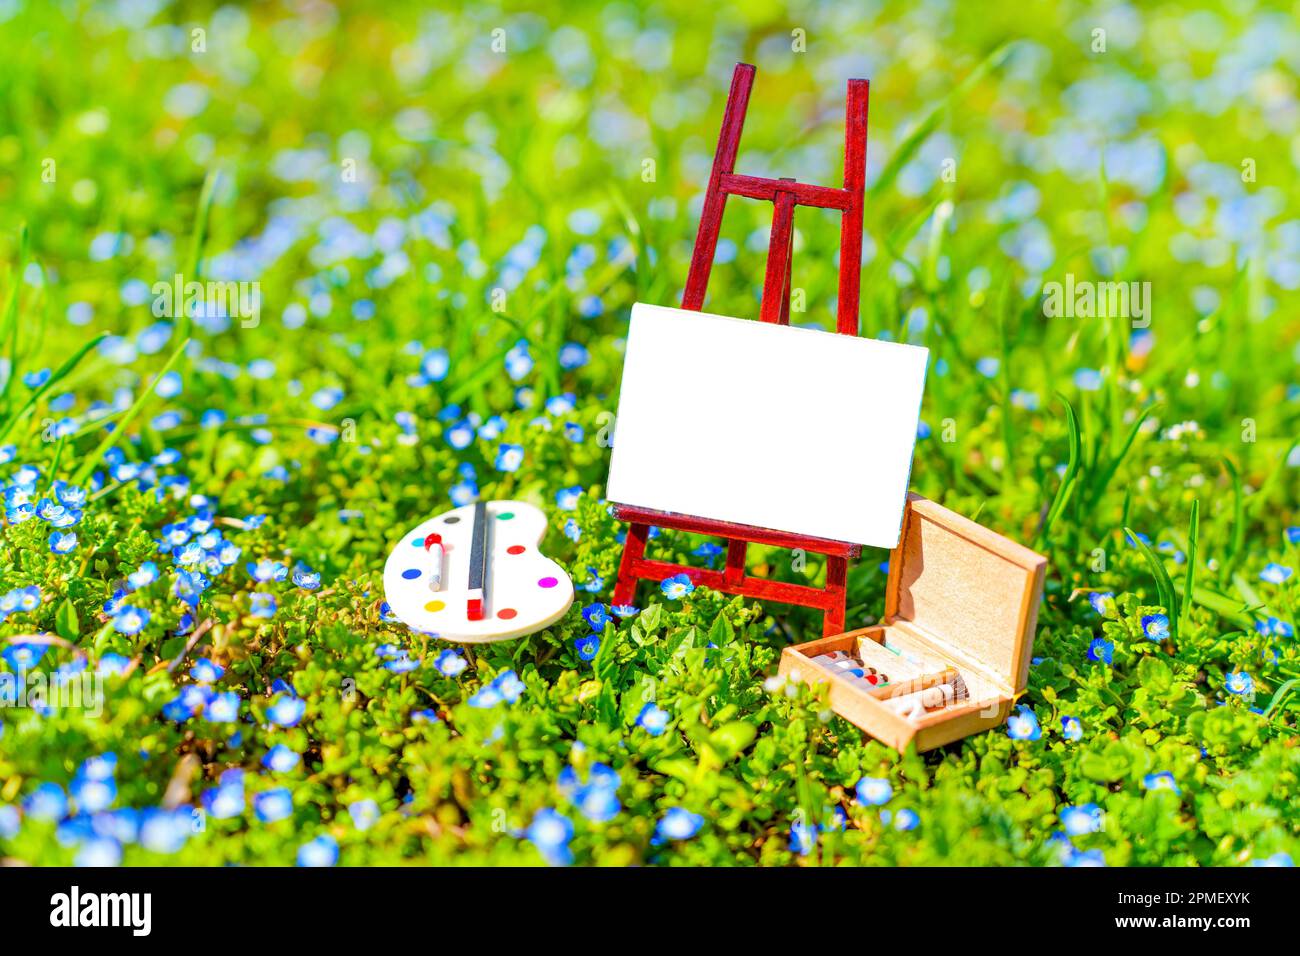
[676, 587]
[653, 719]
[450, 663]
[551, 831]
[1240, 683]
[509, 457]
[1101, 650]
[1103, 602]
[62, 542]
[130, 620]
[566, 499]
[206, 672]
[803, 837]
[1023, 725]
[1071, 729]
[906, 820]
[1164, 780]
[587, 647]
[364, 813]
[1155, 627]
[874, 791]
[266, 570]
[677, 824]
[261, 604]
[223, 708]
[1081, 819]
[595, 616]
[273, 805]
[286, 711]
[305, 578]
[280, 759]
[321, 851]
[1275, 573]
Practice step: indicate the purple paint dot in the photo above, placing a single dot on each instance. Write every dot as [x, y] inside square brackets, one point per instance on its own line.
[411, 574]
[547, 582]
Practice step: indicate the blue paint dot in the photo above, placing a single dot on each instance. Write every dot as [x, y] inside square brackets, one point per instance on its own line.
[418, 542]
[411, 574]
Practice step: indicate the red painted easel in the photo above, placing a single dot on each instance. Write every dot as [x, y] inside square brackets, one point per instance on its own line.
[784, 194]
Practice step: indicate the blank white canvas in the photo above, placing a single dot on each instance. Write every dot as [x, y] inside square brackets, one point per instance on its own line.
[762, 424]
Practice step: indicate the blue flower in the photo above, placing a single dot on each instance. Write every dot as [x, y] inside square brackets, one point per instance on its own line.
[93, 794]
[1155, 627]
[1103, 602]
[46, 802]
[1023, 725]
[1293, 535]
[364, 813]
[1275, 573]
[566, 499]
[226, 799]
[165, 831]
[551, 831]
[625, 610]
[1071, 729]
[143, 576]
[906, 820]
[261, 604]
[1274, 627]
[266, 570]
[653, 719]
[587, 647]
[1101, 650]
[572, 530]
[320, 851]
[280, 759]
[874, 791]
[306, 578]
[509, 457]
[1239, 682]
[286, 711]
[402, 664]
[595, 582]
[25, 656]
[450, 663]
[595, 616]
[206, 672]
[677, 824]
[803, 837]
[676, 587]
[1164, 780]
[61, 542]
[223, 708]
[1081, 819]
[273, 805]
[130, 620]
[10, 821]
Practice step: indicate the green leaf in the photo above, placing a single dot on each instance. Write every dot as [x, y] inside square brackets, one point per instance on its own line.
[66, 624]
[731, 738]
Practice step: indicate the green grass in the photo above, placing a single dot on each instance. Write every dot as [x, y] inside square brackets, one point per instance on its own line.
[1159, 468]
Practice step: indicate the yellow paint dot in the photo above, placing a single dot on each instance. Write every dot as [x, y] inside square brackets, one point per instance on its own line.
[435, 606]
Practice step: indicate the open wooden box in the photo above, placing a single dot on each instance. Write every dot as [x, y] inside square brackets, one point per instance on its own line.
[959, 596]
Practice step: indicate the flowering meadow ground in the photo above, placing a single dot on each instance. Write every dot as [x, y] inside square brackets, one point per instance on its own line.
[448, 215]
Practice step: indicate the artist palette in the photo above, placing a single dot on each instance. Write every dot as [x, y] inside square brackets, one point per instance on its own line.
[522, 590]
[961, 606]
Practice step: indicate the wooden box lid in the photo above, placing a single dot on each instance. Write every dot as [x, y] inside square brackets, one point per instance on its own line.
[966, 590]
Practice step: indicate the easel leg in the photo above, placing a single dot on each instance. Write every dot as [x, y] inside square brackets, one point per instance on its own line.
[837, 573]
[735, 571]
[633, 551]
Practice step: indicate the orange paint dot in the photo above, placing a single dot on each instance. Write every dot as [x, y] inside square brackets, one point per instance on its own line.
[435, 606]
[516, 549]
[506, 613]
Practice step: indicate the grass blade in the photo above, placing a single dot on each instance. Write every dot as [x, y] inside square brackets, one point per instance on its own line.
[61, 373]
[1164, 587]
[1193, 536]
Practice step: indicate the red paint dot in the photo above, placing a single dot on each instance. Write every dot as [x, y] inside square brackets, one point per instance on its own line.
[516, 549]
[506, 613]
[547, 583]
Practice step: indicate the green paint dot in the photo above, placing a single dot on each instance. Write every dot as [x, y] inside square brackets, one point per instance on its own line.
[506, 515]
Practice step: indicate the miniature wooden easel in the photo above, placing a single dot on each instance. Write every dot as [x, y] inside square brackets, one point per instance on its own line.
[784, 194]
